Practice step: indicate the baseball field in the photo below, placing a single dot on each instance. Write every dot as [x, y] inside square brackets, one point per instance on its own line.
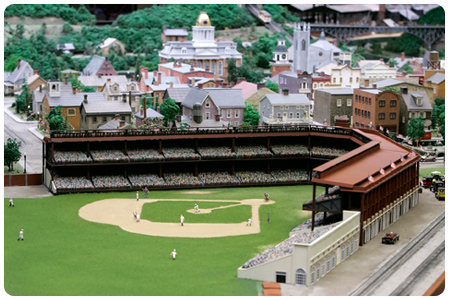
[90, 244]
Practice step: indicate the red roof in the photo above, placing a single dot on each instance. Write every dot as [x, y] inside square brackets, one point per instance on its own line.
[247, 88]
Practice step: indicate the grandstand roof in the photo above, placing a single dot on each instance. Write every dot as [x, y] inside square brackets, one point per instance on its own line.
[351, 171]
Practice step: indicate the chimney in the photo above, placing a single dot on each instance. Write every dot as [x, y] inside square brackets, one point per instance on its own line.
[121, 123]
[171, 84]
[159, 77]
[74, 90]
[192, 68]
[124, 97]
[225, 85]
[200, 86]
[40, 88]
[404, 90]
[335, 43]
[155, 73]
[99, 75]
[36, 72]
[261, 85]
[218, 82]
[240, 79]
[85, 99]
[192, 81]
[382, 60]
[117, 117]
[285, 92]
[18, 63]
[366, 82]
[109, 80]
[158, 109]
[66, 80]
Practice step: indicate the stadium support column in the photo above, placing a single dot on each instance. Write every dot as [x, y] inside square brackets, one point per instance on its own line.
[361, 221]
[313, 207]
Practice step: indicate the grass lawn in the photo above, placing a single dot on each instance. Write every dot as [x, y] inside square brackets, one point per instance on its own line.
[63, 254]
[427, 172]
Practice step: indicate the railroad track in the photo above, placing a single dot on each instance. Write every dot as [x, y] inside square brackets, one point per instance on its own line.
[394, 263]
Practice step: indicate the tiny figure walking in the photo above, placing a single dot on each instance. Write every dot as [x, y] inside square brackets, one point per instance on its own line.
[146, 192]
[138, 217]
[137, 196]
[196, 209]
[268, 217]
[249, 222]
[266, 196]
[174, 254]
[182, 220]
[11, 203]
[20, 235]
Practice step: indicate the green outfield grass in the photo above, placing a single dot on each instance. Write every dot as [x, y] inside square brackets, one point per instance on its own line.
[170, 212]
[63, 254]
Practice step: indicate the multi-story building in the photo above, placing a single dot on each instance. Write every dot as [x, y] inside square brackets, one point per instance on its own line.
[204, 51]
[13, 81]
[375, 71]
[345, 76]
[115, 91]
[397, 85]
[414, 104]
[174, 35]
[436, 81]
[331, 103]
[94, 114]
[373, 108]
[285, 108]
[64, 95]
[183, 71]
[213, 107]
[99, 65]
[280, 61]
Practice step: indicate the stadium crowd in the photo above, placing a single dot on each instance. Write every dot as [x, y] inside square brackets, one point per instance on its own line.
[143, 180]
[216, 152]
[326, 152]
[71, 157]
[109, 155]
[252, 152]
[217, 178]
[290, 150]
[180, 153]
[110, 181]
[144, 154]
[72, 183]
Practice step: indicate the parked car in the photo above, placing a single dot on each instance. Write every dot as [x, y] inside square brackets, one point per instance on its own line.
[440, 193]
[437, 184]
[429, 158]
[390, 238]
[427, 181]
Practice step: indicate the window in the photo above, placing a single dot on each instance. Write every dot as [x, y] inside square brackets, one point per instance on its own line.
[392, 116]
[280, 277]
[291, 115]
[334, 79]
[381, 116]
[382, 103]
[116, 98]
[298, 115]
[236, 123]
[368, 114]
[104, 119]
[71, 112]
[365, 113]
[220, 68]
[208, 103]
[351, 79]
[183, 50]
[236, 113]
[279, 115]
[356, 111]
[287, 107]
[339, 102]
[370, 101]
[403, 119]
[300, 277]
[94, 119]
[314, 85]
[207, 115]
[228, 113]
[349, 102]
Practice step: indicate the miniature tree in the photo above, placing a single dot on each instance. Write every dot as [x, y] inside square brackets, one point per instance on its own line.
[251, 115]
[169, 109]
[416, 129]
[11, 153]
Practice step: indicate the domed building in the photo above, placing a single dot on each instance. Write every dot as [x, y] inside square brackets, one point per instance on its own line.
[203, 51]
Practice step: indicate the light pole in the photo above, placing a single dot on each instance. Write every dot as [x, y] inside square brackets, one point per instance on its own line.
[25, 163]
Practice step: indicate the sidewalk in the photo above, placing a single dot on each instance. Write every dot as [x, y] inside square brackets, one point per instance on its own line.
[16, 118]
[32, 191]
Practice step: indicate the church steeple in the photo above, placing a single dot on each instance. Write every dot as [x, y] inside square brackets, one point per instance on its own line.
[302, 36]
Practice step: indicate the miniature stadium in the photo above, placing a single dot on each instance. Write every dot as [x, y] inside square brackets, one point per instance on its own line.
[73, 256]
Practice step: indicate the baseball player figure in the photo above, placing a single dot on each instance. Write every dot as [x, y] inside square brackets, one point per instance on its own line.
[146, 192]
[20, 235]
[182, 220]
[266, 196]
[249, 222]
[196, 209]
[137, 196]
[174, 254]
[11, 203]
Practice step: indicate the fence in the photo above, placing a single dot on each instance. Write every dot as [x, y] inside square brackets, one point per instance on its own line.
[22, 179]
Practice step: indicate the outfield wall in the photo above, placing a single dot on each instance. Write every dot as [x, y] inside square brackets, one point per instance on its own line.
[309, 262]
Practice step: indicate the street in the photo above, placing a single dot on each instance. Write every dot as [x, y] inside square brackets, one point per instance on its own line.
[31, 144]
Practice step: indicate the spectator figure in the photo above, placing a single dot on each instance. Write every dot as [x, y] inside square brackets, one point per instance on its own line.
[266, 196]
[137, 196]
[174, 254]
[11, 203]
[20, 235]
[146, 192]
[182, 220]
[196, 209]
[249, 222]
[268, 217]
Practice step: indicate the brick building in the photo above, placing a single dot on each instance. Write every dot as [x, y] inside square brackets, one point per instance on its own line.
[373, 108]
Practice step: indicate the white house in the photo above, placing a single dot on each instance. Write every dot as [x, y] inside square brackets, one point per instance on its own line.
[345, 76]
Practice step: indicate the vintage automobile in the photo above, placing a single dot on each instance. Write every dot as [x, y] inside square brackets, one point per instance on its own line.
[440, 193]
[427, 181]
[390, 238]
[437, 184]
[428, 158]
